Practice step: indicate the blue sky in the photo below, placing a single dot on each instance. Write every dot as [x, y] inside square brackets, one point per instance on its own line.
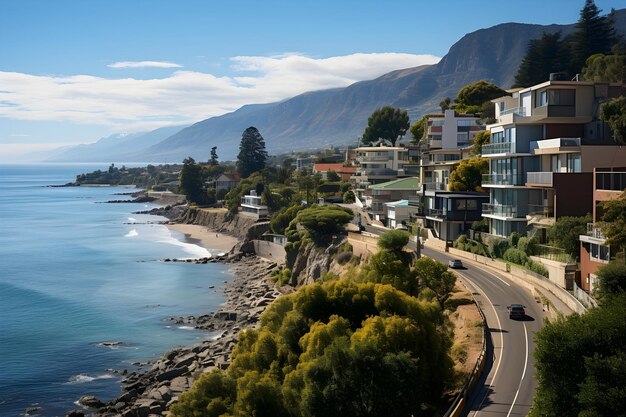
[75, 71]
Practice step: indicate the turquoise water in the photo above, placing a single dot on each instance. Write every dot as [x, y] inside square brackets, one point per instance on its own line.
[74, 274]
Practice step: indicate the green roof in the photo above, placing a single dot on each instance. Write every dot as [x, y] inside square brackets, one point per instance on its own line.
[410, 183]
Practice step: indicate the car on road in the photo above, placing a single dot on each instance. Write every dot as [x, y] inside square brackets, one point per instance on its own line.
[516, 311]
[455, 263]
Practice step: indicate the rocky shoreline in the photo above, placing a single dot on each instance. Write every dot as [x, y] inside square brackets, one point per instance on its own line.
[150, 393]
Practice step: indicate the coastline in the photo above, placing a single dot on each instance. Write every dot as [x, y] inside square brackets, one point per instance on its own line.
[150, 391]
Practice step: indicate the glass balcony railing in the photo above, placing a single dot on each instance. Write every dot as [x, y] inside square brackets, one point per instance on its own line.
[502, 179]
[499, 210]
[543, 178]
[438, 213]
[540, 210]
[494, 148]
[519, 111]
[435, 186]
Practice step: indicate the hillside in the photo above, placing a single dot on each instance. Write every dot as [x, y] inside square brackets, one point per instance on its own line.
[338, 116]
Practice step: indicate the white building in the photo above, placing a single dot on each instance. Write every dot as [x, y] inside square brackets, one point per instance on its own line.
[251, 206]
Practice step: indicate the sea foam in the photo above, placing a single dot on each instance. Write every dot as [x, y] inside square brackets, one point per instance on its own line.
[82, 378]
[132, 233]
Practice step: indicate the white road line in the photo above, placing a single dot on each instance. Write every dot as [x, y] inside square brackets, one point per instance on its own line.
[501, 345]
[523, 373]
[494, 275]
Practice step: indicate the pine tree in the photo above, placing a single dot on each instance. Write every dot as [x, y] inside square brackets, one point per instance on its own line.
[387, 124]
[252, 153]
[594, 35]
[213, 160]
[545, 55]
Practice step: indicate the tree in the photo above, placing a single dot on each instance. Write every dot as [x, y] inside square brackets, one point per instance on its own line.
[348, 197]
[435, 276]
[332, 176]
[606, 68]
[320, 222]
[282, 218]
[545, 55]
[594, 34]
[190, 181]
[468, 175]
[445, 104]
[611, 280]
[472, 97]
[418, 129]
[613, 112]
[481, 138]
[252, 153]
[565, 232]
[387, 123]
[213, 160]
[614, 222]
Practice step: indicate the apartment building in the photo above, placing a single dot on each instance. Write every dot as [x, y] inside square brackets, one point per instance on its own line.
[378, 164]
[377, 195]
[608, 184]
[252, 206]
[545, 143]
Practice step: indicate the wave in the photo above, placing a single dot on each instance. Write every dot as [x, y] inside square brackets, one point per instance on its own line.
[82, 378]
[132, 219]
[186, 327]
[194, 250]
[132, 233]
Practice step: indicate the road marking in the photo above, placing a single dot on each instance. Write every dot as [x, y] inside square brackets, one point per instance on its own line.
[523, 373]
[494, 350]
[494, 275]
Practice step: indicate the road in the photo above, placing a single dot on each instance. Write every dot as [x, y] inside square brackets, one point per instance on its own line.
[507, 385]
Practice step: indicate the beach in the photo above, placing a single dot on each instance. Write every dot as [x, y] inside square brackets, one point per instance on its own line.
[207, 238]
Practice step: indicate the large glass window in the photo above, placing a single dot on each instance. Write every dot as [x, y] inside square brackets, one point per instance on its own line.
[437, 122]
[497, 137]
[573, 162]
[562, 97]
[543, 98]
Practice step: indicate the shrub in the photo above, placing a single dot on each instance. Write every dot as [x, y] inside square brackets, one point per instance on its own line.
[515, 256]
[281, 276]
[343, 258]
[527, 245]
[461, 242]
[536, 267]
[497, 247]
[514, 238]
[348, 197]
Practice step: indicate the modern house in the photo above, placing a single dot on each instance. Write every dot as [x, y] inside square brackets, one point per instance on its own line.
[608, 184]
[377, 195]
[545, 143]
[397, 212]
[252, 206]
[378, 164]
[448, 214]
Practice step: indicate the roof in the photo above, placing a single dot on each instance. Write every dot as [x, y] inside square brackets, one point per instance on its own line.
[327, 167]
[410, 183]
[233, 176]
[399, 203]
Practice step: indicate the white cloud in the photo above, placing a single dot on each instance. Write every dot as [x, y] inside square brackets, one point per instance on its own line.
[128, 104]
[143, 64]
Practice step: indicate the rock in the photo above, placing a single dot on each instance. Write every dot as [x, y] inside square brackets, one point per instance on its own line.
[184, 360]
[173, 373]
[90, 401]
[75, 413]
[32, 411]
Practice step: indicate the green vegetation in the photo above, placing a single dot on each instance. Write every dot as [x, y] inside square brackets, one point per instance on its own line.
[418, 129]
[281, 219]
[606, 68]
[481, 138]
[316, 223]
[475, 98]
[333, 349]
[191, 183]
[581, 359]
[213, 160]
[162, 177]
[388, 124]
[233, 198]
[468, 175]
[565, 232]
[252, 154]
[348, 197]
[613, 112]
[543, 56]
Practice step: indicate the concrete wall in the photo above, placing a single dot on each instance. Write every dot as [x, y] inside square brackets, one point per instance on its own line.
[269, 250]
[363, 245]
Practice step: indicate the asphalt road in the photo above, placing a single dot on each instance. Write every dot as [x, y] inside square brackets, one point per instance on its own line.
[508, 384]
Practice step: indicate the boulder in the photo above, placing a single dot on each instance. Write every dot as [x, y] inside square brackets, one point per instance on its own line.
[90, 401]
[75, 413]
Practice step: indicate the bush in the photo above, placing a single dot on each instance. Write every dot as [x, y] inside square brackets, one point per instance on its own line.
[343, 258]
[281, 276]
[348, 197]
[497, 247]
[527, 245]
[461, 242]
[513, 239]
[537, 268]
[480, 225]
[515, 256]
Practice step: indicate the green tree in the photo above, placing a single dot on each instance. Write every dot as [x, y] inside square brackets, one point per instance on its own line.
[320, 222]
[545, 55]
[332, 176]
[418, 129]
[445, 104]
[611, 280]
[348, 197]
[282, 218]
[190, 181]
[566, 231]
[594, 34]
[435, 276]
[613, 112]
[213, 159]
[606, 68]
[252, 154]
[473, 97]
[481, 138]
[233, 198]
[614, 223]
[468, 174]
[387, 123]
[395, 241]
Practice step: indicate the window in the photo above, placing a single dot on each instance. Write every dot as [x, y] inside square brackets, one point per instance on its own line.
[497, 137]
[462, 138]
[501, 105]
[465, 123]
[465, 205]
[543, 98]
[437, 122]
[573, 162]
[562, 97]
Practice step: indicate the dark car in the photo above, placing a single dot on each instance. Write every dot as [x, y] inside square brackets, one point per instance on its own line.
[455, 263]
[516, 311]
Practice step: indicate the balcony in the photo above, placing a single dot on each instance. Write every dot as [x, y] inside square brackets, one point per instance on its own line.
[499, 210]
[374, 158]
[611, 181]
[541, 210]
[595, 231]
[502, 179]
[518, 111]
[437, 213]
[435, 186]
[378, 172]
[539, 178]
[497, 148]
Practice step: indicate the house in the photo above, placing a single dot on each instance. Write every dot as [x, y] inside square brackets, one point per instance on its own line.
[227, 180]
[447, 213]
[252, 206]
[344, 172]
[397, 212]
[378, 164]
[304, 163]
[608, 184]
[545, 143]
[379, 194]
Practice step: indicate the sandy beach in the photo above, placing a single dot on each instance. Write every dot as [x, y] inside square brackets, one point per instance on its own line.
[208, 238]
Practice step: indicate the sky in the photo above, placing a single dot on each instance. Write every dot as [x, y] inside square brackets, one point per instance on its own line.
[75, 71]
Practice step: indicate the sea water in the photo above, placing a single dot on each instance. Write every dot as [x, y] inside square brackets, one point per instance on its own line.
[76, 273]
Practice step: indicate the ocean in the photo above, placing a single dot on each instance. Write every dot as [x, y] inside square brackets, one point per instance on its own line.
[74, 274]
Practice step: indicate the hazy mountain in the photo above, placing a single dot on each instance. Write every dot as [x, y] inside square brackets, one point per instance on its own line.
[119, 147]
[339, 116]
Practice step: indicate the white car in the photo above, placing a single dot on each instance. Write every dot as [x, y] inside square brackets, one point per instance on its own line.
[455, 263]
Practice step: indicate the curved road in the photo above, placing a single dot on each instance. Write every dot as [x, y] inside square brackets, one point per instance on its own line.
[508, 384]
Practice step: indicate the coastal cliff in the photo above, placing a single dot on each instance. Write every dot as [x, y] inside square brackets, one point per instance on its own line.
[245, 228]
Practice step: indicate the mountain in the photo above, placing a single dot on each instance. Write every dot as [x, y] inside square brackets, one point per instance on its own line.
[119, 147]
[339, 116]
